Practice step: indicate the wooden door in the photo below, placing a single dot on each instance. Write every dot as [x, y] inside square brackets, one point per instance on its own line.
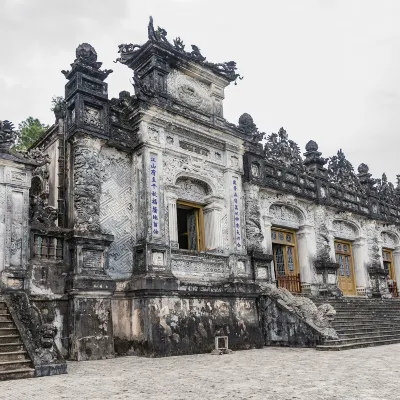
[285, 259]
[388, 266]
[344, 258]
[388, 263]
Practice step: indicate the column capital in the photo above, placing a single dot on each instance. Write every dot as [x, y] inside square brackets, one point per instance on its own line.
[267, 220]
[214, 199]
[171, 192]
[305, 229]
[361, 241]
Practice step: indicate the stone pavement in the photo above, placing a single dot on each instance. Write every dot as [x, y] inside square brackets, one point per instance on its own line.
[270, 373]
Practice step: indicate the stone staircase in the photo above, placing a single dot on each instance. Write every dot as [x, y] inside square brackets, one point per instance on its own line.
[362, 322]
[14, 360]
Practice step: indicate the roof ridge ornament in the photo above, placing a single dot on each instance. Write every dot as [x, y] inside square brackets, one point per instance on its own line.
[8, 136]
[86, 62]
[341, 172]
[280, 149]
[226, 69]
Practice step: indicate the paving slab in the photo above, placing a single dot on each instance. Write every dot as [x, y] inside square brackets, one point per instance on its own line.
[271, 373]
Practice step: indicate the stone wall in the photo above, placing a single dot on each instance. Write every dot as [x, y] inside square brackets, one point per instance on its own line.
[173, 325]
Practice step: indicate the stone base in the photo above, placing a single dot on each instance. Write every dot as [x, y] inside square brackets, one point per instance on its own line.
[184, 323]
[51, 369]
[91, 333]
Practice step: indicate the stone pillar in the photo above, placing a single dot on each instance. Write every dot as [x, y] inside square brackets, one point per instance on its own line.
[306, 252]
[172, 216]
[360, 260]
[267, 244]
[267, 241]
[396, 261]
[89, 287]
[86, 183]
[213, 226]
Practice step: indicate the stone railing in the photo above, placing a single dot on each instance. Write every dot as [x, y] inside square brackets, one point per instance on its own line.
[317, 188]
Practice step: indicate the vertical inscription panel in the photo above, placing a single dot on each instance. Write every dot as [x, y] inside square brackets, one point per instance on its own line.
[154, 196]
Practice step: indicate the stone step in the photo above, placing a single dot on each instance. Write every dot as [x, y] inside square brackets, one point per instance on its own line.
[363, 319]
[8, 347]
[10, 365]
[10, 339]
[3, 306]
[355, 345]
[370, 338]
[17, 374]
[338, 326]
[377, 332]
[5, 317]
[6, 324]
[8, 331]
[14, 355]
[351, 330]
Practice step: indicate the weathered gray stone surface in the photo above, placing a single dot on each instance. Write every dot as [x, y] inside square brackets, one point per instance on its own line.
[270, 373]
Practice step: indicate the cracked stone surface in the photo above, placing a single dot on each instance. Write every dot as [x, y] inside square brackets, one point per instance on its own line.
[269, 373]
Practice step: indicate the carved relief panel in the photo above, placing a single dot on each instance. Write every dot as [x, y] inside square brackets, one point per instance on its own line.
[116, 209]
[189, 91]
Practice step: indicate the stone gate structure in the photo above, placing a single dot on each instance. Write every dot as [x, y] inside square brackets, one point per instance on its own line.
[148, 224]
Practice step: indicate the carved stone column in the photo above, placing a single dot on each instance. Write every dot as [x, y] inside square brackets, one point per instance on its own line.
[360, 258]
[89, 287]
[267, 241]
[306, 250]
[396, 260]
[86, 183]
[267, 244]
[213, 226]
[172, 196]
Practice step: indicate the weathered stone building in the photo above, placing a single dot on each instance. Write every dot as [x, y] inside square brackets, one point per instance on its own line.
[149, 225]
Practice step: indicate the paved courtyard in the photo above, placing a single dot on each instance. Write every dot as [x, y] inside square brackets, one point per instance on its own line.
[270, 373]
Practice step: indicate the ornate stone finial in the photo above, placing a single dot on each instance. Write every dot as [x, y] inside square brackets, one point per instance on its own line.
[363, 168]
[367, 183]
[246, 124]
[7, 136]
[249, 128]
[86, 62]
[311, 146]
[87, 52]
[59, 107]
[313, 161]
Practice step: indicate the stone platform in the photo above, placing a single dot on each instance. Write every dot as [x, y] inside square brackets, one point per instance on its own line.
[270, 373]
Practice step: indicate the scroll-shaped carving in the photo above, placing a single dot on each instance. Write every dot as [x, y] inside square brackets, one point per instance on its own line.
[341, 172]
[159, 35]
[279, 149]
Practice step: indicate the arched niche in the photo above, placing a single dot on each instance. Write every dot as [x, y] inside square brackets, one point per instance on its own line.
[192, 189]
[343, 229]
[286, 215]
[390, 240]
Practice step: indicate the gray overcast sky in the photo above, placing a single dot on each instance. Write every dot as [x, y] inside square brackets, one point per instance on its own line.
[327, 70]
